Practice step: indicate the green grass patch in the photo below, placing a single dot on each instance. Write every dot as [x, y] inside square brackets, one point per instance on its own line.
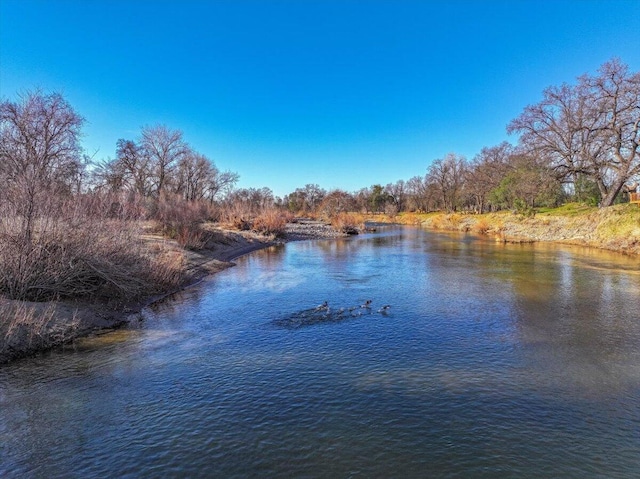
[568, 209]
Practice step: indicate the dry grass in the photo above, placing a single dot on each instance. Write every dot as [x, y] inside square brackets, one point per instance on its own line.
[26, 327]
[271, 222]
[410, 218]
[347, 222]
[482, 226]
[79, 257]
[438, 222]
[167, 269]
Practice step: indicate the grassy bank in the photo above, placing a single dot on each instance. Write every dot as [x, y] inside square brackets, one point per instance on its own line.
[616, 228]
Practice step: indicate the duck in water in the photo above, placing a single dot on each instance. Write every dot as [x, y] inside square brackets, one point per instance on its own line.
[367, 304]
[323, 307]
[384, 309]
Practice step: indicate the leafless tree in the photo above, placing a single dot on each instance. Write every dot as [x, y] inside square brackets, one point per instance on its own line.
[134, 166]
[397, 194]
[590, 129]
[335, 202]
[313, 195]
[418, 198]
[193, 176]
[221, 184]
[40, 154]
[305, 199]
[485, 173]
[164, 148]
[447, 176]
[250, 200]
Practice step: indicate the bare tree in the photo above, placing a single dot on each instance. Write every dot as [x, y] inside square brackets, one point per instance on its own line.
[305, 199]
[313, 195]
[615, 108]
[164, 148]
[335, 202]
[485, 173]
[134, 166]
[221, 183]
[40, 154]
[447, 176]
[192, 176]
[397, 194]
[418, 194]
[251, 200]
[591, 129]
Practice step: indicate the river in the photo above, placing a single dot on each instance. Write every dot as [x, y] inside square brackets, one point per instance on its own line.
[492, 360]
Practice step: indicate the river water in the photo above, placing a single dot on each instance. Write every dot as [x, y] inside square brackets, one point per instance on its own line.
[492, 361]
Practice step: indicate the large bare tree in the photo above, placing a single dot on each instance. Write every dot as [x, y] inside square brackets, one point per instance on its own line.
[135, 166]
[40, 154]
[164, 148]
[447, 176]
[591, 129]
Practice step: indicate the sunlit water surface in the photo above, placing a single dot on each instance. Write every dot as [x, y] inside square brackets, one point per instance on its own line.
[493, 361]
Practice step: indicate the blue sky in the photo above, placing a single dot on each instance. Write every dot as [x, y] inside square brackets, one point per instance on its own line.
[344, 94]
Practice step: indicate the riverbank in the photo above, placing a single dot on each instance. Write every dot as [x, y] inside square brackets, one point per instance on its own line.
[42, 326]
[616, 228]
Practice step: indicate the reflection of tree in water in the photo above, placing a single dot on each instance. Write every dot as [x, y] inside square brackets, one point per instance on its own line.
[575, 323]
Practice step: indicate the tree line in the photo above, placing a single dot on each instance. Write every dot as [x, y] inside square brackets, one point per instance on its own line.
[580, 142]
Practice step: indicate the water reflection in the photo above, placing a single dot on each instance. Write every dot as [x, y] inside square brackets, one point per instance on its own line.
[497, 360]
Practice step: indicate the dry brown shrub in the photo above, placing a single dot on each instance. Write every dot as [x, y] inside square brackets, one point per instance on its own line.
[179, 219]
[270, 222]
[481, 226]
[73, 256]
[190, 236]
[348, 223]
[236, 216]
[288, 216]
[28, 327]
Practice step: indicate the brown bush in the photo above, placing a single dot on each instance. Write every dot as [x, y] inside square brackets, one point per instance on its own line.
[481, 227]
[27, 327]
[348, 223]
[73, 256]
[270, 222]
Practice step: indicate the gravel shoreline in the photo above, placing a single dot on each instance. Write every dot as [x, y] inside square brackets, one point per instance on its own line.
[306, 229]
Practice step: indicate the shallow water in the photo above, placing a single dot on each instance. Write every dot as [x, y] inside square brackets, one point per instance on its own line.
[492, 361]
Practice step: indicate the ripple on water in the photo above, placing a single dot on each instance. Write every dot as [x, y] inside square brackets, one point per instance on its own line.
[495, 361]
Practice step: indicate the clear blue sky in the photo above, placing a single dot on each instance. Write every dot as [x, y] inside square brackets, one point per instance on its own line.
[345, 94]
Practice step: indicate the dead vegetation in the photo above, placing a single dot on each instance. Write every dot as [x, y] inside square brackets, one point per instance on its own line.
[28, 327]
[349, 223]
